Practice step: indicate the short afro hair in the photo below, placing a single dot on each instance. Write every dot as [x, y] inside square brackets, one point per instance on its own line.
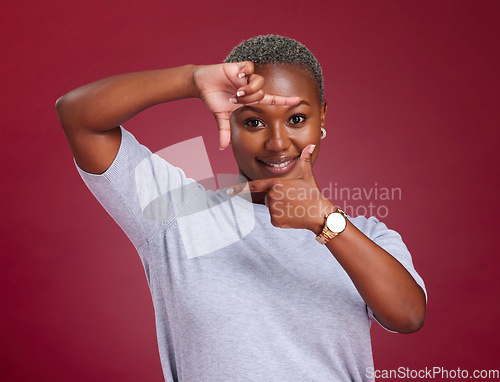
[275, 49]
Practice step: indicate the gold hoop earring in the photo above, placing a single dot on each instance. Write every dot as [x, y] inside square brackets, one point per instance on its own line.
[323, 133]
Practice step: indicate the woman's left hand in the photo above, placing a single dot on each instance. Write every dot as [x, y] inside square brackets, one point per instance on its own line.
[293, 202]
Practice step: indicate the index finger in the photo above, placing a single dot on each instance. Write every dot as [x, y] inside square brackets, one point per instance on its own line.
[261, 185]
[277, 100]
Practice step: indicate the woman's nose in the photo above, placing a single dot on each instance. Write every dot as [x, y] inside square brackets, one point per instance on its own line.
[278, 139]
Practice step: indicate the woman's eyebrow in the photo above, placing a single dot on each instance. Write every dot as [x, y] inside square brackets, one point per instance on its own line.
[248, 107]
[258, 110]
[303, 102]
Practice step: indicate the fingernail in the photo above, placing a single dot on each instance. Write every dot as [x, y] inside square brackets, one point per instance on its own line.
[241, 75]
[230, 190]
[220, 148]
[240, 93]
[233, 100]
[311, 149]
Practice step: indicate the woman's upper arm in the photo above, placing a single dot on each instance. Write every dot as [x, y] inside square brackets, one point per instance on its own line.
[94, 151]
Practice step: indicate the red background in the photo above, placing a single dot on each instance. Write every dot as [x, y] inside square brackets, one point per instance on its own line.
[413, 92]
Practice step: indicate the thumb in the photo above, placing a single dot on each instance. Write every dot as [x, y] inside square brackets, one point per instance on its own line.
[224, 129]
[306, 163]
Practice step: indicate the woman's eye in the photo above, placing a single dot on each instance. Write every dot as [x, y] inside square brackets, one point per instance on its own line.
[254, 123]
[297, 119]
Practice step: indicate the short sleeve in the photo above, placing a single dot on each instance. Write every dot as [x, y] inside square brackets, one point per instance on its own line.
[392, 242]
[142, 192]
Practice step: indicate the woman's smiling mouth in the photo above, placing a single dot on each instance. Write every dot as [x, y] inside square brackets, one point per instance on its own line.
[278, 165]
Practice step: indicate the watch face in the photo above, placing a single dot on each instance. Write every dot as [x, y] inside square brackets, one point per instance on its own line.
[336, 222]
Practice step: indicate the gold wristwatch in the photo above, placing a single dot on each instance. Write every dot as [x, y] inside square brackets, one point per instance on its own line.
[335, 223]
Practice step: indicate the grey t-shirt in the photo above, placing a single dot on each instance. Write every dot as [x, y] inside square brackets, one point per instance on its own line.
[235, 298]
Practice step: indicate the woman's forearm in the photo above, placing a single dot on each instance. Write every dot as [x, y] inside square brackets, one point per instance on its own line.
[392, 294]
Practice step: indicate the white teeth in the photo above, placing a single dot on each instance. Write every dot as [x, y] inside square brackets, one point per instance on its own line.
[278, 165]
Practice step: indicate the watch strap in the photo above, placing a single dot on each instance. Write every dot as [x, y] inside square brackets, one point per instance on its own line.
[326, 234]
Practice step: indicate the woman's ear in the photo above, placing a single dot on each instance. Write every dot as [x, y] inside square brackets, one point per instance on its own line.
[323, 113]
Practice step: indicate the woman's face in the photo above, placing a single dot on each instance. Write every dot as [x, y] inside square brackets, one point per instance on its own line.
[268, 140]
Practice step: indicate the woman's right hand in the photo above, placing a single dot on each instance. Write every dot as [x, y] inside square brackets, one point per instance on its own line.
[226, 87]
